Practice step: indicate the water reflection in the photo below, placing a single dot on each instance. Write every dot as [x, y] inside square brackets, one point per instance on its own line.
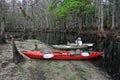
[110, 61]
[62, 38]
[56, 38]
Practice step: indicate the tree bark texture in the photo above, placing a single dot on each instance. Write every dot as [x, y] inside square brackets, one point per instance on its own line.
[17, 57]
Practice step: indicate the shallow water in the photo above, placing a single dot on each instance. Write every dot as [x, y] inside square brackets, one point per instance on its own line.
[109, 62]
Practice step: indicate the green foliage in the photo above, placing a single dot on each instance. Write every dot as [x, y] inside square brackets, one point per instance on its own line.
[65, 8]
[53, 4]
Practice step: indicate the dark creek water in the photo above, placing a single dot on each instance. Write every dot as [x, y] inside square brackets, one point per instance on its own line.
[109, 62]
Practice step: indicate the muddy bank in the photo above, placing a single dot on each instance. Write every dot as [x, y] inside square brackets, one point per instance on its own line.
[44, 69]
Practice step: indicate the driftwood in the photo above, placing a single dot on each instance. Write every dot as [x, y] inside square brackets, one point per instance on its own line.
[17, 57]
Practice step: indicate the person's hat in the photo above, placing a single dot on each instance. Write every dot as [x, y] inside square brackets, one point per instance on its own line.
[79, 38]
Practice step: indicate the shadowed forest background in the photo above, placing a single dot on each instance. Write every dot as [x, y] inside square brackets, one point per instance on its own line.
[80, 16]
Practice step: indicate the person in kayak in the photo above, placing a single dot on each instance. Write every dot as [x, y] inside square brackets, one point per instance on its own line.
[78, 41]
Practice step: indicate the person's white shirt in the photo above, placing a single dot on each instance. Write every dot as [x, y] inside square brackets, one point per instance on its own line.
[78, 41]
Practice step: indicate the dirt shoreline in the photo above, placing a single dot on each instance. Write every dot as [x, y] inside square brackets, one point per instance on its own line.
[44, 69]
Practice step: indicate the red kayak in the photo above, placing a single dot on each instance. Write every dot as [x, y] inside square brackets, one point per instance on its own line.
[61, 55]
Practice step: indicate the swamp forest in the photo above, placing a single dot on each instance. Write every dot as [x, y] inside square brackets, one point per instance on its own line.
[39, 24]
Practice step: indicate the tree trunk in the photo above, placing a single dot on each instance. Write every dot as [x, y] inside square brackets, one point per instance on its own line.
[100, 16]
[79, 22]
[2, 34]
[101, 26]
[117, 12]
[17, 57]
[24, 18]
[113, 15]
[14, 13]
[99, 11]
